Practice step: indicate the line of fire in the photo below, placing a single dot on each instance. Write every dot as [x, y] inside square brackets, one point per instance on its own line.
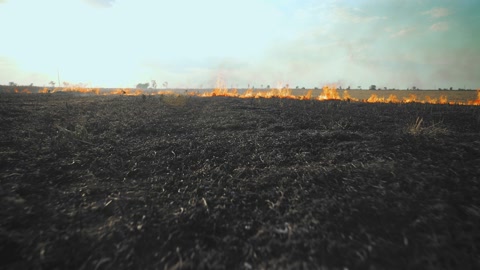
[327, 93]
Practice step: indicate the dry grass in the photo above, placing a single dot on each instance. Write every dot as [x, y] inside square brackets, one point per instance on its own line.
[418, 128]
[175, 100]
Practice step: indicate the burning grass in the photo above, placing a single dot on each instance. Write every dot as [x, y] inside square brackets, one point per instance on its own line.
[163, 182]
[327, 93]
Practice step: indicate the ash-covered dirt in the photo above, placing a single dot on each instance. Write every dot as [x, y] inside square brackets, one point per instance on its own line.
[164, 182]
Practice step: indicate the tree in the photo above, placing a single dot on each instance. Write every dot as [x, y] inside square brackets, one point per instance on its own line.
[52, 83]
[154, 84]
[165, 84]
[142, 85]
[359, 87]
[373, 87]
[12, 84]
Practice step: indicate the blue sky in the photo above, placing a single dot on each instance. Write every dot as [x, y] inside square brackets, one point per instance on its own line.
[191, 43]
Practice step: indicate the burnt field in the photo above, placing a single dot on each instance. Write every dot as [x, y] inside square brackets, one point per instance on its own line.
[165, 182]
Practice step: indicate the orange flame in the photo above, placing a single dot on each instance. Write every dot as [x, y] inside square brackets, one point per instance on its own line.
[44, 91]
[391, 99]
[328, 93]
[411, 98]
[441, 100]
[221, 91]
[477, 101]
[307, 96]
[331, 93]
[81, 90]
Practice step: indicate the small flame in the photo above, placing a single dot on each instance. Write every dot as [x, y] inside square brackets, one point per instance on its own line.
[346, 96]
[391, 99]
[307, 96]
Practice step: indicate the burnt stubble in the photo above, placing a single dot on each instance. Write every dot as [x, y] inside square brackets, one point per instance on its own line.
[160, 182]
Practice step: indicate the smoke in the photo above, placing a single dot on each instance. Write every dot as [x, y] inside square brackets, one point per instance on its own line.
[98, 3]
[457, 68]
[10, 72]
[440, 26]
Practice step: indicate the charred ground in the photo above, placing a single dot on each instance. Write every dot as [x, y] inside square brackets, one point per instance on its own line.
[147, 182]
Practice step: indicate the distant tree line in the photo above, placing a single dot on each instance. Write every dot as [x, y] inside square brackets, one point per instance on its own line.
[153, 85]
[143, 85]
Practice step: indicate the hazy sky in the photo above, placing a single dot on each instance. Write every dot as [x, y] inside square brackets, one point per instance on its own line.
[191, 43]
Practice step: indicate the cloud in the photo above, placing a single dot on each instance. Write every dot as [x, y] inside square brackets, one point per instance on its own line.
[439, 27]
[355, 16]
[437, 12]
[99, 3]
[403, 32]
